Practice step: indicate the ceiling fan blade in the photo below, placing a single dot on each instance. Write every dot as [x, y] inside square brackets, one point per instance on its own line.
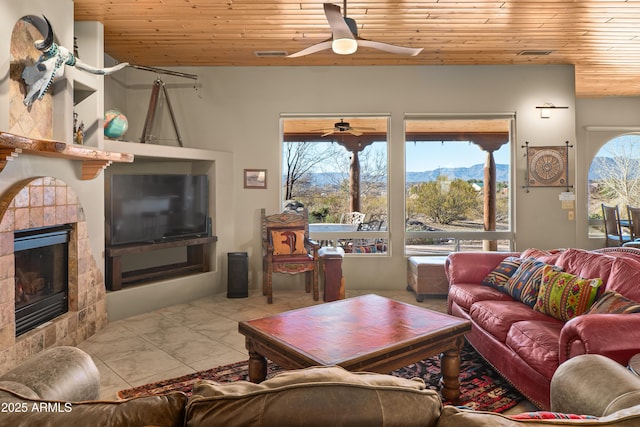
[398, 50]
[331, 132]
[354, 132]
[312, 49]
[339, 27]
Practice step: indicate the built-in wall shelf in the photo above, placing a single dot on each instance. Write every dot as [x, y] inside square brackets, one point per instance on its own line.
[162, 152]
[93, 160]
[197, 261]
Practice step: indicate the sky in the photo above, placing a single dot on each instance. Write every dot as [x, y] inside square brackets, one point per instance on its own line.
[625, 145]
[426, 156]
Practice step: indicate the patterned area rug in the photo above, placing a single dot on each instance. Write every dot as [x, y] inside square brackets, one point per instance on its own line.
[481, 387]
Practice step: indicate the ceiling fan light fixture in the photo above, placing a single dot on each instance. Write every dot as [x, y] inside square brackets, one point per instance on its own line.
[344, 46]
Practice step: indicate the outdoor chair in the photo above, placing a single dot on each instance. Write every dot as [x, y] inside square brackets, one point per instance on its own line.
[354, 218]
[633, 215]
[286, 248]
[370, 245]
[612, 228]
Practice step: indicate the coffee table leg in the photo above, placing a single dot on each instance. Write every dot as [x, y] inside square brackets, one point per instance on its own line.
[257, 367]
[450, 367]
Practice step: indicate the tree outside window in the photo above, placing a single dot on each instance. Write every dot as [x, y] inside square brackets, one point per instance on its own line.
[451, 205]
[334, 167]
[614, 179]
[317, 175]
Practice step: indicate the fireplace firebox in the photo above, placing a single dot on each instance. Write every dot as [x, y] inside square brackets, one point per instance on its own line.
[41, 275]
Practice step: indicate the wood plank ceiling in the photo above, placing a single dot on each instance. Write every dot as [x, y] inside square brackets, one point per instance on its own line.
[601, 38]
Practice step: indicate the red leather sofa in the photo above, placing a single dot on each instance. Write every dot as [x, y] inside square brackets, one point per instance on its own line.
[526, 346]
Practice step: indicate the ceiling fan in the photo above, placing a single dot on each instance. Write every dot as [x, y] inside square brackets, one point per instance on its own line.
[342, 127]
[344, 37]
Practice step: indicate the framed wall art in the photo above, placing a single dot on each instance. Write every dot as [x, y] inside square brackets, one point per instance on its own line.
[255, 178]
[547, 166]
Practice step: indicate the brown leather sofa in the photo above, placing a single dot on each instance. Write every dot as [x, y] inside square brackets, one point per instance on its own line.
[527, 346]
[318, 396]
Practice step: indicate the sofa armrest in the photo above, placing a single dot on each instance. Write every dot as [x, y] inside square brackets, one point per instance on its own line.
[592, 384]
[59, 373]
[616, 336]
[472, 267]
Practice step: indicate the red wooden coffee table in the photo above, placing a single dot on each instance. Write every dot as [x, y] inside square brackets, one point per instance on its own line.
[365, 333]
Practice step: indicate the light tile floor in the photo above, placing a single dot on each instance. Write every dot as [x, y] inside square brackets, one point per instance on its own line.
[186, 338]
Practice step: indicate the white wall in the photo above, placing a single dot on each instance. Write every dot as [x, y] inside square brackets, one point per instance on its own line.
[237, 109]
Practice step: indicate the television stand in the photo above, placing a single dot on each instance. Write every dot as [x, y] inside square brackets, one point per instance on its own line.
[197, 261]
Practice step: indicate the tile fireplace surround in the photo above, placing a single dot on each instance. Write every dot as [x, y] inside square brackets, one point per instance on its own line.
[35, 203]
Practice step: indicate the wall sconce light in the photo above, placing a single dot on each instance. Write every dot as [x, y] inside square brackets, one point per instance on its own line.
[545, 109]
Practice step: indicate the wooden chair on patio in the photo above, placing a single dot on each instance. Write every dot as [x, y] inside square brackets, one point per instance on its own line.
[612, 228]
[286, 248]
[352, 218]
[633, 215]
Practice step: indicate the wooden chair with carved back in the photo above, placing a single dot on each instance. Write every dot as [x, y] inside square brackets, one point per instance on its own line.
[286, 248]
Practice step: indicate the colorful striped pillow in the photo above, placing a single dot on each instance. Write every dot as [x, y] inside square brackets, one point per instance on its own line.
[525, 282]
[499, 276]
[564, 295]
[547, 415]
[611, 302]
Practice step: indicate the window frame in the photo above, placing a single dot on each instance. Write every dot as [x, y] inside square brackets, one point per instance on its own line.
[333, 236]
[458, 237]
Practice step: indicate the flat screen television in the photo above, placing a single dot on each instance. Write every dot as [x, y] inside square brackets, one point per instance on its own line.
[156, 208]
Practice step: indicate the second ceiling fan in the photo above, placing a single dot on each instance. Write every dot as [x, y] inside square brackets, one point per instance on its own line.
[343, 127]
[344, 37]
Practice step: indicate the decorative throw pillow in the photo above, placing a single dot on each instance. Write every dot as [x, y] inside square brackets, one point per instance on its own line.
[613, 302]
[523, 285]
[288, 242]
[564, 295]
[499, 276]
[547, 415]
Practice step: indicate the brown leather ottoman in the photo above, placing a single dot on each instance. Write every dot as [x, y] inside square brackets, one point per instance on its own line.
[426, 277]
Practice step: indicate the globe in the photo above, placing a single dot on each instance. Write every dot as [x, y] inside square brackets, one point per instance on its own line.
[115, 124]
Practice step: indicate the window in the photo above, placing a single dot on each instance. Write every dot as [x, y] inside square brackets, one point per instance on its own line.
[614, 179]
[450, 205]
[336, 167]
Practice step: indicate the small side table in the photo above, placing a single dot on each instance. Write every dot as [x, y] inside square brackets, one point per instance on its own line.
[331, 259]
[634, 364]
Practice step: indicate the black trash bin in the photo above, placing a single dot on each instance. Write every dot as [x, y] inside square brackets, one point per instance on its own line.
[238, 275]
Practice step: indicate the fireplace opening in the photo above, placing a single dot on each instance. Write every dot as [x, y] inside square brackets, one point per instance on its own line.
[41, 275]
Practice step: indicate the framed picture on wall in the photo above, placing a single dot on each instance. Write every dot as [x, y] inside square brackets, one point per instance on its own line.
[255, 178]
[547, 166]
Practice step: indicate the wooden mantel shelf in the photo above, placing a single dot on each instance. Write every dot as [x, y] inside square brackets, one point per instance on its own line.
[93, 160]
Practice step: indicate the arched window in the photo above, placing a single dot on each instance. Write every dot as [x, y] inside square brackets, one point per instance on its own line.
[614, 179]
